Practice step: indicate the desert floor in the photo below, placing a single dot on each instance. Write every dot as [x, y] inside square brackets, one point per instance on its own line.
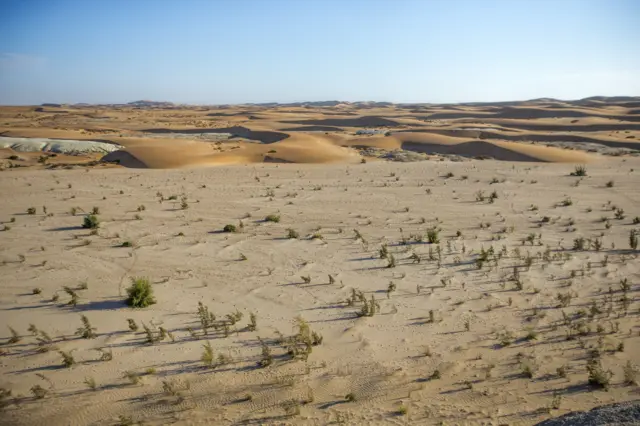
[433, 288]
[453, 340]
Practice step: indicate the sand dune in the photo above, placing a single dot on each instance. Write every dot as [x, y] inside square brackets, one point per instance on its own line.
[166, 137]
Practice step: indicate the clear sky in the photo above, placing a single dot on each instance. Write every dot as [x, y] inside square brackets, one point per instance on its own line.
[235, 51]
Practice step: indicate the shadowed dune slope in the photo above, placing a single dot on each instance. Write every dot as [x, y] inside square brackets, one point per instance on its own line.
[313, 129]
[526, 137]
[444, 144]
[259, 135]
[505, 151]
[366, 121]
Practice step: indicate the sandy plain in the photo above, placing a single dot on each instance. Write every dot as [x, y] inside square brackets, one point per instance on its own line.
[532, 281]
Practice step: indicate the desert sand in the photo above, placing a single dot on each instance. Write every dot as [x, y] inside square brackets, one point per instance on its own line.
[451, 290]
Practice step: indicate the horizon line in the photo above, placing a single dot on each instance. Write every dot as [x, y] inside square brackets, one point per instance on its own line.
[315, 102]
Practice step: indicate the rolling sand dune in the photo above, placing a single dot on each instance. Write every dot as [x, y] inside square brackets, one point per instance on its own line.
[163, 136]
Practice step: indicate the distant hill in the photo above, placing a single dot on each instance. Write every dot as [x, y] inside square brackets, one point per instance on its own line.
[626, 101]
[151, 104]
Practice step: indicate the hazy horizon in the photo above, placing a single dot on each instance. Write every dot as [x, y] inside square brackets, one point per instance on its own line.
[327, 100]
[260, 51]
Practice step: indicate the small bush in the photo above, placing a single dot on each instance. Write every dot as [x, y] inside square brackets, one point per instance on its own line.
[207, 357]
[598, 377]
[67, 359]
[39, 392]
[529, 368]
[532, 334]
[272, 218]
[133, 377]
[90, 382]
[633, 239]
[562, 371]
[402, 410]
[433, 236]
[579, 244]
[292, 234]
[87, 331]
[229, 228]
[91, 221]
[15, 337]
[579, 171]
[132, 324]
[31, 210]
[631, 374]
[140, 293]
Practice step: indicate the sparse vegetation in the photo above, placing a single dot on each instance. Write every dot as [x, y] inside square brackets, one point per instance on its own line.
[528, 289]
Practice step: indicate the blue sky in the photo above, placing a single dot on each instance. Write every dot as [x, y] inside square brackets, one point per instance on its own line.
[234, 51]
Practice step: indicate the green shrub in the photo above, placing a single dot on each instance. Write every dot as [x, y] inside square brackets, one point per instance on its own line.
[140, 293]
[272, 218]
[229, 228]
[598, 376]
[91, 221]
[432, 236]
